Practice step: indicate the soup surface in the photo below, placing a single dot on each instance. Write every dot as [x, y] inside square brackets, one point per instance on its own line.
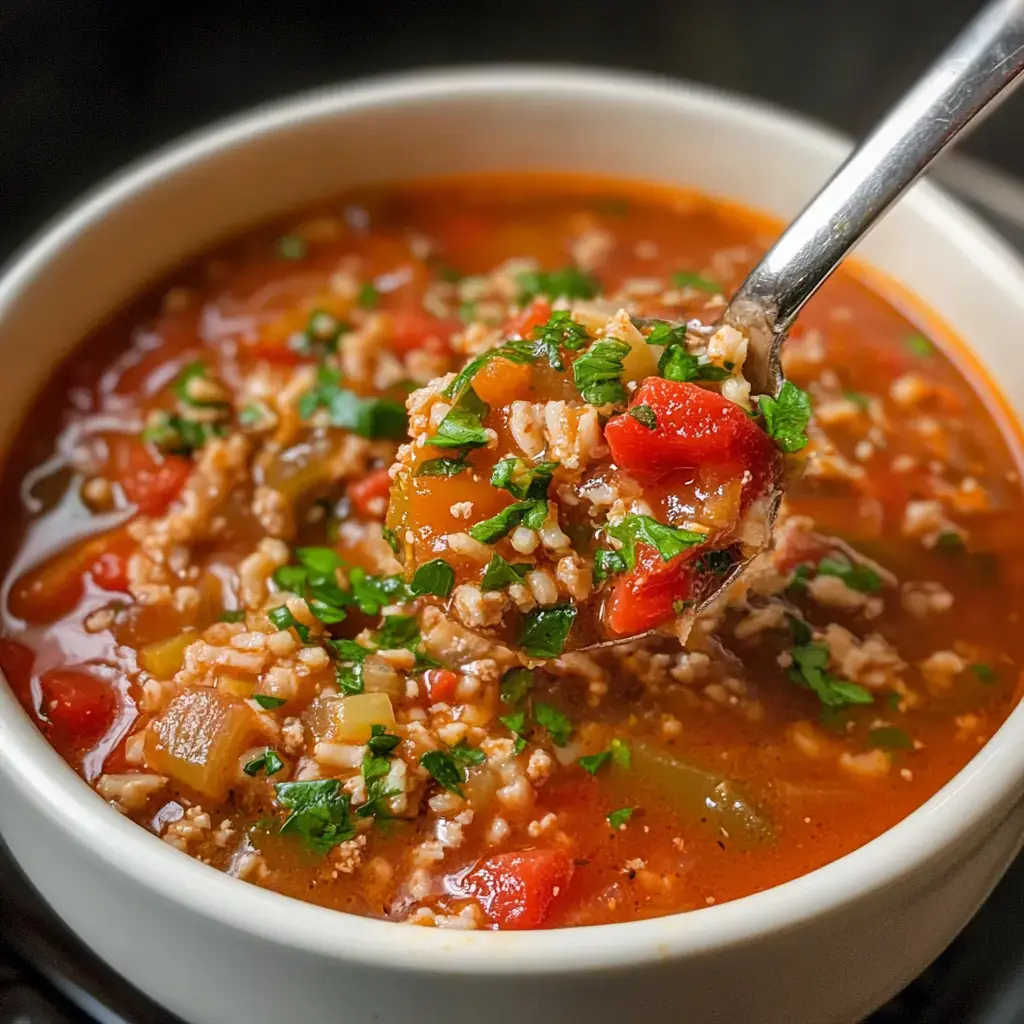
[204, 613]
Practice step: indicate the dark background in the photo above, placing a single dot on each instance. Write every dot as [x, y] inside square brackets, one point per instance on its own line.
[86, 85]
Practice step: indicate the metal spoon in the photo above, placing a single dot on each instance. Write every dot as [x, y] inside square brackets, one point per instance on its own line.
[968, 78]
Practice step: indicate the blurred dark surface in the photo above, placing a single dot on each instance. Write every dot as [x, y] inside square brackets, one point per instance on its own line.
[86, 85]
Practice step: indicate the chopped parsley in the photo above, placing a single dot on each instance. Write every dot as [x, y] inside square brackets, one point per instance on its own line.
[522, 479]
[391, 539]
[668, 541]
[888, 737]
[441, 765]
[618, 819]
[445, 467]
[532, 514]
[597, 373]
[515, 722]
[381, 742]
[184, 391]
[466, 756]
[283, 619]
[544, 630]
[514, 351]
[809, 671]
[500, 574]
[348, 672]
[919, 345]
[320, 813]
[856, 576]
[268, 762]
[291, 247]
[569, 283]
[178, 435]
[462, 426]
[516, 685]
[398, 631]
[949, 541]
[715, 562]
[688, 279]
[436, 577]
[267, 702]
[592, 763]
[372, 418]
[560, 331]
[984, 673]
[236, 615]
[368, 296]
[608, 563]
[618, 752]
[467, 312]
[320, 335]
[556, 722]
[786, 417]
[645, 416]
[859, 400]
[678, 364]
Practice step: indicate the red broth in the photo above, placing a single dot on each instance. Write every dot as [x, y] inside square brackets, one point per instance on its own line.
[201, 464]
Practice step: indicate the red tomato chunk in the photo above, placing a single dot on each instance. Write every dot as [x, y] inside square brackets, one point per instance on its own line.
[517, 890]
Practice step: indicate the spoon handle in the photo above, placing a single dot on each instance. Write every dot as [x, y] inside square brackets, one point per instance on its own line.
[982, 61]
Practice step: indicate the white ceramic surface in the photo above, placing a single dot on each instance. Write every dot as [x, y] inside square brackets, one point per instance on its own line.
[826, 948]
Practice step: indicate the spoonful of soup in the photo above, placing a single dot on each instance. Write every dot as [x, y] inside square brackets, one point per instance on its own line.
[609, 474]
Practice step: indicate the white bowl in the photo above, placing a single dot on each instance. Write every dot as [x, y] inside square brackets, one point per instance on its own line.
[828, 947]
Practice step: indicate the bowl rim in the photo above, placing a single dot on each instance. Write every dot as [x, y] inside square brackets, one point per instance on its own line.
[983, 788]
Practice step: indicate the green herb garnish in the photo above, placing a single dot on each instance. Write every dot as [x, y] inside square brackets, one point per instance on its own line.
[645, 416]
[516, 685]
[560, 331]
[544, 630]
[618, 819]
[597, 373]
[268, 762]
[608, 563]
[556, 723]
[522, 479]
[984, 673]
[919, 345]
[668, 541]
[320, 813]
[445, 467]
[809, 671]
[786, 417]
[856, 576]
[688, 279]
[569, 283]
[716, 562]
[267, 702]
[532, 514]
[436, 577]
[283, 619]
[445, 771]
[291, 247]
[368, 296]
[372, 418]
[500, 574]
[888, 737]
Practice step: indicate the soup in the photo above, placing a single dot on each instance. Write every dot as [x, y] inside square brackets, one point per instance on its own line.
[204, 612]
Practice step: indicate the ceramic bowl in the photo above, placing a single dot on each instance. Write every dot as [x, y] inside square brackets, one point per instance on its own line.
[828, 947]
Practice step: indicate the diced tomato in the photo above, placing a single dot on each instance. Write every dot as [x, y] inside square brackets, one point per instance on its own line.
[440, 684]
[79, 705]
[110, 569]
[51, 590]
[646, 597]
[499, 381]
[369, 495]
[16, 661]
[694, 427]
[517, 890]
[150, 481]
[536, 313]
[413, 329]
